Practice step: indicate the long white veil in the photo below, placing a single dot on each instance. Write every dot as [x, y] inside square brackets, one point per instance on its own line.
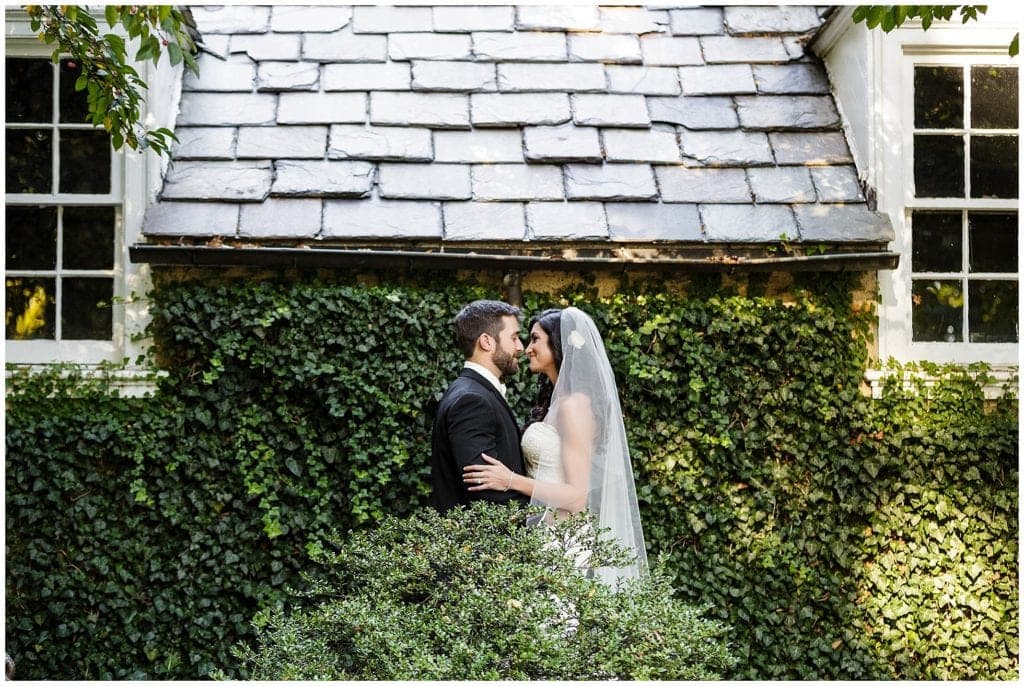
[611, 495]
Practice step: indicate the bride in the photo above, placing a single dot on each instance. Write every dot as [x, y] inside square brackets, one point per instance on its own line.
[575, 444]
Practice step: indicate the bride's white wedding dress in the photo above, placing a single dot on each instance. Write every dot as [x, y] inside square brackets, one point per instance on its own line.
[542, 450]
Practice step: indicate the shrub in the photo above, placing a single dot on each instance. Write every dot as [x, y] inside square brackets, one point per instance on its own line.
[477, 595]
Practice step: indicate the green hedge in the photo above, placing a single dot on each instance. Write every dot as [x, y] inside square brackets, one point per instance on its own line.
[840, 537]
[475, 595]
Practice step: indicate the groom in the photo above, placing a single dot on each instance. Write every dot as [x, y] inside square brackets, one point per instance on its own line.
[473, 416]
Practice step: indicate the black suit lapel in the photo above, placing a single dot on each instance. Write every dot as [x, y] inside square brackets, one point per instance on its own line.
[479, 378]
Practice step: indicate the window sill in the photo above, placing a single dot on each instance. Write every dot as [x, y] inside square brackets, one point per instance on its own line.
[1000, 375]
[128, 383]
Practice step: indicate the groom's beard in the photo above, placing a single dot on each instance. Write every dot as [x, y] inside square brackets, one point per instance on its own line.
[507, 364]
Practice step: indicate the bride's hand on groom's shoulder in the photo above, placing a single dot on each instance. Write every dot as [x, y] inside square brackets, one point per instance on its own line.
[486, 477]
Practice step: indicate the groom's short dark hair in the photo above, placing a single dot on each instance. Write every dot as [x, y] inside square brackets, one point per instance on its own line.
[480, 316]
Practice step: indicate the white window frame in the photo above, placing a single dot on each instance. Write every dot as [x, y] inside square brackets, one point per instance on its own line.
[40, 351]
[138, 177]
[894, 58]
[963, 350]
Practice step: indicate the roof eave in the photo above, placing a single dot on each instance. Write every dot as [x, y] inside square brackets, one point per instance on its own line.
[869, 257]
[836, 24]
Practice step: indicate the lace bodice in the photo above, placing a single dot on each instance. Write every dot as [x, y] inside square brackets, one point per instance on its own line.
[542, 450]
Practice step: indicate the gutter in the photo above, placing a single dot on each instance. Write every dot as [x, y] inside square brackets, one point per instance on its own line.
[208, 256]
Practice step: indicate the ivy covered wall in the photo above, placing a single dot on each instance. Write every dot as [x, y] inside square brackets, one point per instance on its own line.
[839, 537]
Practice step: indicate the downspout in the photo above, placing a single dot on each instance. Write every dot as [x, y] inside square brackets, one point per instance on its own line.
[513, 291]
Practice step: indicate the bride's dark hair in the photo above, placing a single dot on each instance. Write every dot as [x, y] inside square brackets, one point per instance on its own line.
[550, 322]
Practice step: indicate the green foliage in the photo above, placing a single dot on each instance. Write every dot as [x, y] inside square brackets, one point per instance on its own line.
[477, 595]
[891, 17]
[760, 467]
[144, 534]
[838, 537]
[936, 573]
[114, 86]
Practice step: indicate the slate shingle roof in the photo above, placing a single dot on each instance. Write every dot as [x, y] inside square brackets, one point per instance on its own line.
[511, 128]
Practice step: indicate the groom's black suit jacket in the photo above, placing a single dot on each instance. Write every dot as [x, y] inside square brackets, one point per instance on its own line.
[472, 418]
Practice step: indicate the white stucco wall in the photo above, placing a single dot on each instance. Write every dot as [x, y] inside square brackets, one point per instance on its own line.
[144, 172]
[845, 49]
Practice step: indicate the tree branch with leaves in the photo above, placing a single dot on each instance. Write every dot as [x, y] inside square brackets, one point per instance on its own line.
[114, 88]
[891, 17]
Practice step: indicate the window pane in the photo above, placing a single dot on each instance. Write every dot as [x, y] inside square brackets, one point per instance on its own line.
[937, 242]
[74, 105]
[993, 238]
[938, 98]
[29, 90]
[30, 308]
[85, 161]
[994, 97]
[994, 167]
[993, 311]
[89, 237]
[29, 161]
[939, 166]
[938, 311]
[31, 236]
[86, 313]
